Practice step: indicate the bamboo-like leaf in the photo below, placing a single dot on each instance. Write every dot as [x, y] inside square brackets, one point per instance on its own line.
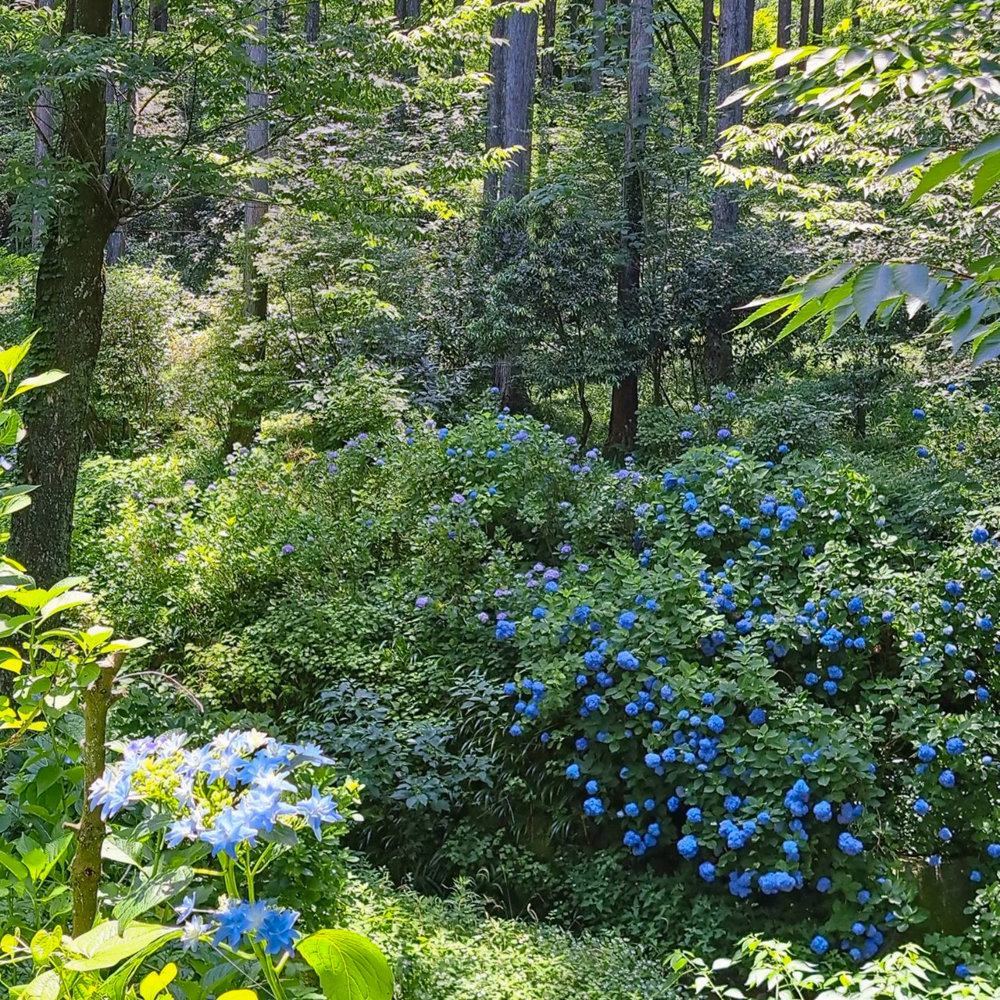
[937, 174]
[907, 162]
[872, 287]
[37, 381]
[767, 307]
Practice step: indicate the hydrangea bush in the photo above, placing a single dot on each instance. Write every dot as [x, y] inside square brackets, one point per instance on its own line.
[219, 813]
[772, 690]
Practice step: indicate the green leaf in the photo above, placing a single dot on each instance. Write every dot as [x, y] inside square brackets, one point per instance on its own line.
[349, 966]
[13, 356]
[104, 947]
[41, 861]
[872, 287]
[937, 174]
[118, 644]
[12, 865]
[150, 893]
[986, 177]
[801, 317]
[982, 150]
[125, 852]
[156, 983]
[70, 599]
[914, 158]
[37, 381]
[987, 346]
[47, 986]
[766, 307]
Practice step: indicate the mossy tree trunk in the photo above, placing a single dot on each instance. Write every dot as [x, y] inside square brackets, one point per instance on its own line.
[69, 305]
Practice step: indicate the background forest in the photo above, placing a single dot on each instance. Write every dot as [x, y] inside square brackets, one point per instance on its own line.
[572, 440]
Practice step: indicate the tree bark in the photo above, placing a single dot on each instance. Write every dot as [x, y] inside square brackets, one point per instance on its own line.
[600, 44]
[548, 60]
[818, 18]
[625, 394]
[784, 39]
[245, 413]
[313, 17]
[407, 12]
[804, 10]
[495, 104]
[518, 102]
[588, 417]
[85, 868]
[158, 17]
[123, 103]
[735, 37]
[43, 119]
[69, 303]
[705, 67]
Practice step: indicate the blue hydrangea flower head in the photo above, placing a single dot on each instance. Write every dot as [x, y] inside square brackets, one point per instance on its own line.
[687, 846]
[506, 629]
[819, 944]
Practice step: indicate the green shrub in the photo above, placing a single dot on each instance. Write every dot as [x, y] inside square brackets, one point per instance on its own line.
[452, 949]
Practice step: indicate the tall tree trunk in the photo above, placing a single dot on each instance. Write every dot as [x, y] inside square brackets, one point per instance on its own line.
[574, 14]
[588, 417]
[548, 60]
[313, 17]
[495, 104]
[784, 41]
[69, 304]
[705, 67]
[735, 27]
[600, 44]
[518, 102]
[735, 39]
[784, 38]
[43, 117]
[625, 393]
[805, 7]
[245, 413]
[123, 103]
[158, 17]
[818, 18]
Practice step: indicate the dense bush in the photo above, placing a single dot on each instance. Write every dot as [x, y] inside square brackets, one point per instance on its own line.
[775, 687]
[382, 572]
[454, 949]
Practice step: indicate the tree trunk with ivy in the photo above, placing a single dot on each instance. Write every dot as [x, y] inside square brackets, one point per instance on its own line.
[68, 311]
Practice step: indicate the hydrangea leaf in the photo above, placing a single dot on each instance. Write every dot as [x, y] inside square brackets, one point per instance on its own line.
[349, 966]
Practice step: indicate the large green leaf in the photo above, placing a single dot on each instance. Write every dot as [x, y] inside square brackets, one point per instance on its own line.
[349, 966]
[8, 861]
[13, 356]
[150, 893]
[37, 381]
[105, 946]
[872, 287]
[47, 986]
[937, 174]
